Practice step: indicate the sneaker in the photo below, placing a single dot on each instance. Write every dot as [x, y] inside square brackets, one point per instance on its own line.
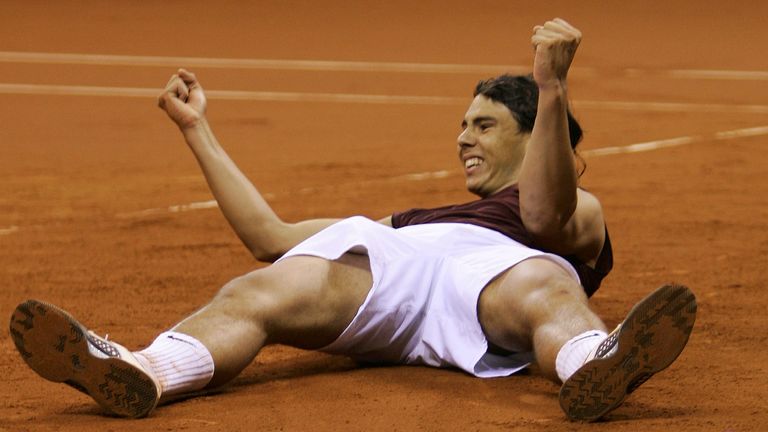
[650, 339]
[60, 349]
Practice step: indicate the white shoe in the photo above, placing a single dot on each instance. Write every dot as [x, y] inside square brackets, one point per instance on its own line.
[60, 349]
[650, 339]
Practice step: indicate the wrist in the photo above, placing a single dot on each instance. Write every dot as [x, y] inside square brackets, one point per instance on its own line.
[557, 87]
[197, 125]
[552, 96]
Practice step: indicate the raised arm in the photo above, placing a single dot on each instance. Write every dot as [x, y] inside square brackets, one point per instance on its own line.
[562, 217]
[254, 221]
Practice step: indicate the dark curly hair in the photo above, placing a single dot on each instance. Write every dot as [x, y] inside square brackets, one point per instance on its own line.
[520, 94]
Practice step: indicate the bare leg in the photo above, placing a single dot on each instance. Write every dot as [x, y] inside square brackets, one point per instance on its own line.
[302, 301]
[536, 305]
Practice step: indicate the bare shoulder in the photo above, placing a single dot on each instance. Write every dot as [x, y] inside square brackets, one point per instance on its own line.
[588, 203]
[584, 233]
[588, 227]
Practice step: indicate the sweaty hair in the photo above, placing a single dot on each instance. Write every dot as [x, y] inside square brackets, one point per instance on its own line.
[520, 94]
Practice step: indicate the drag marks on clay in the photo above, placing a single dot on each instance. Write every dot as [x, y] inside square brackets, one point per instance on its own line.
[605, 151]
[9, 230]
[201, 205]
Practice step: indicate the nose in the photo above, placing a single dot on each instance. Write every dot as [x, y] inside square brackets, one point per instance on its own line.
[466, 138]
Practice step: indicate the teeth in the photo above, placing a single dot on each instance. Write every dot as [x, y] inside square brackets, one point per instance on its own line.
[472, 162]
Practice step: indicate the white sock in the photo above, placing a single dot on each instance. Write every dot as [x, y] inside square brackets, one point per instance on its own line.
[180, 362]
[573, 354]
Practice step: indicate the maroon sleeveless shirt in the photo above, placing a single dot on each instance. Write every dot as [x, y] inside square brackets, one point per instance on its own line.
[501, 212]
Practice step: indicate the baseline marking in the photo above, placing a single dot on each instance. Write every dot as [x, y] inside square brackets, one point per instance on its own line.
[265, 96]
[348, 66]
[670, 107]
[273, 64]
[719, 74]
[65, 90]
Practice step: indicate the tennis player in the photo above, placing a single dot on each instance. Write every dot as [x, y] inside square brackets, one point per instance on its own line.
[486, 287]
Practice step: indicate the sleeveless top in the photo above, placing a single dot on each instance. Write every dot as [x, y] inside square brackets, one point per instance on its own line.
[501, 212]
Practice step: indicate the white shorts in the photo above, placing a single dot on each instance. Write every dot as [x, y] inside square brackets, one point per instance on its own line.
[422, 307]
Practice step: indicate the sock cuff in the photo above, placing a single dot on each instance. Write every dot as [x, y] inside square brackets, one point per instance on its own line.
[181, 337]
[180, 362]
[573, 354]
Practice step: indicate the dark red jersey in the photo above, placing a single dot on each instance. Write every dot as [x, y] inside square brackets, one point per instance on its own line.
[501, 212]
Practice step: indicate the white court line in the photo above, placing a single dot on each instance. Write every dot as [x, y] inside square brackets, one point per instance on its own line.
[738, 133]
[670, 107]
[65, 90]
[264, 96]
[68, 90]
[719, 74]
[634, 148]
[272, 64]
[640, 147]
[674, 142]
[346, 66]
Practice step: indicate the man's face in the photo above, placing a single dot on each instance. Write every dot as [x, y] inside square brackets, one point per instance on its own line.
[490, 146]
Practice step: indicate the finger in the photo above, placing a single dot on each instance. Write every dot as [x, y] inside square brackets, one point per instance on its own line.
[553, 33]
[560, 26]
[180, 89]
[546, 35]
[174, 82]
[555, 27]
[552, 37]
[176, 89]
[537, 41]
[189, 78]
[565, 24]
[167, 97]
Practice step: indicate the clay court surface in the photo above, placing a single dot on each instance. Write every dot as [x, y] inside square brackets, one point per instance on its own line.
[104, 212]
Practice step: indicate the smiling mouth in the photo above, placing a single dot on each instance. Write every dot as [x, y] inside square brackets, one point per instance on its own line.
[472, 162]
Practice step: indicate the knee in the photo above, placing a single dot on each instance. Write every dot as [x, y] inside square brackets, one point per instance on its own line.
[250, 294]
[537, 288]
[512, 306]
[542, 279]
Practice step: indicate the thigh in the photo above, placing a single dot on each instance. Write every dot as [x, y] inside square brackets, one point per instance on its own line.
[511, 306]
[308, 301]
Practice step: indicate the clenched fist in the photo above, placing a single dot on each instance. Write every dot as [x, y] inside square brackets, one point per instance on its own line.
[555, 43]
[183, 100]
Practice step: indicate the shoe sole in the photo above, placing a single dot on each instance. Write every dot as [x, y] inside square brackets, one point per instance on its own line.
[651, 337]
[55, 346]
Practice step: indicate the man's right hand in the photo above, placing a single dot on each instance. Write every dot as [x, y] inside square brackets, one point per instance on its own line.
[183, 100]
